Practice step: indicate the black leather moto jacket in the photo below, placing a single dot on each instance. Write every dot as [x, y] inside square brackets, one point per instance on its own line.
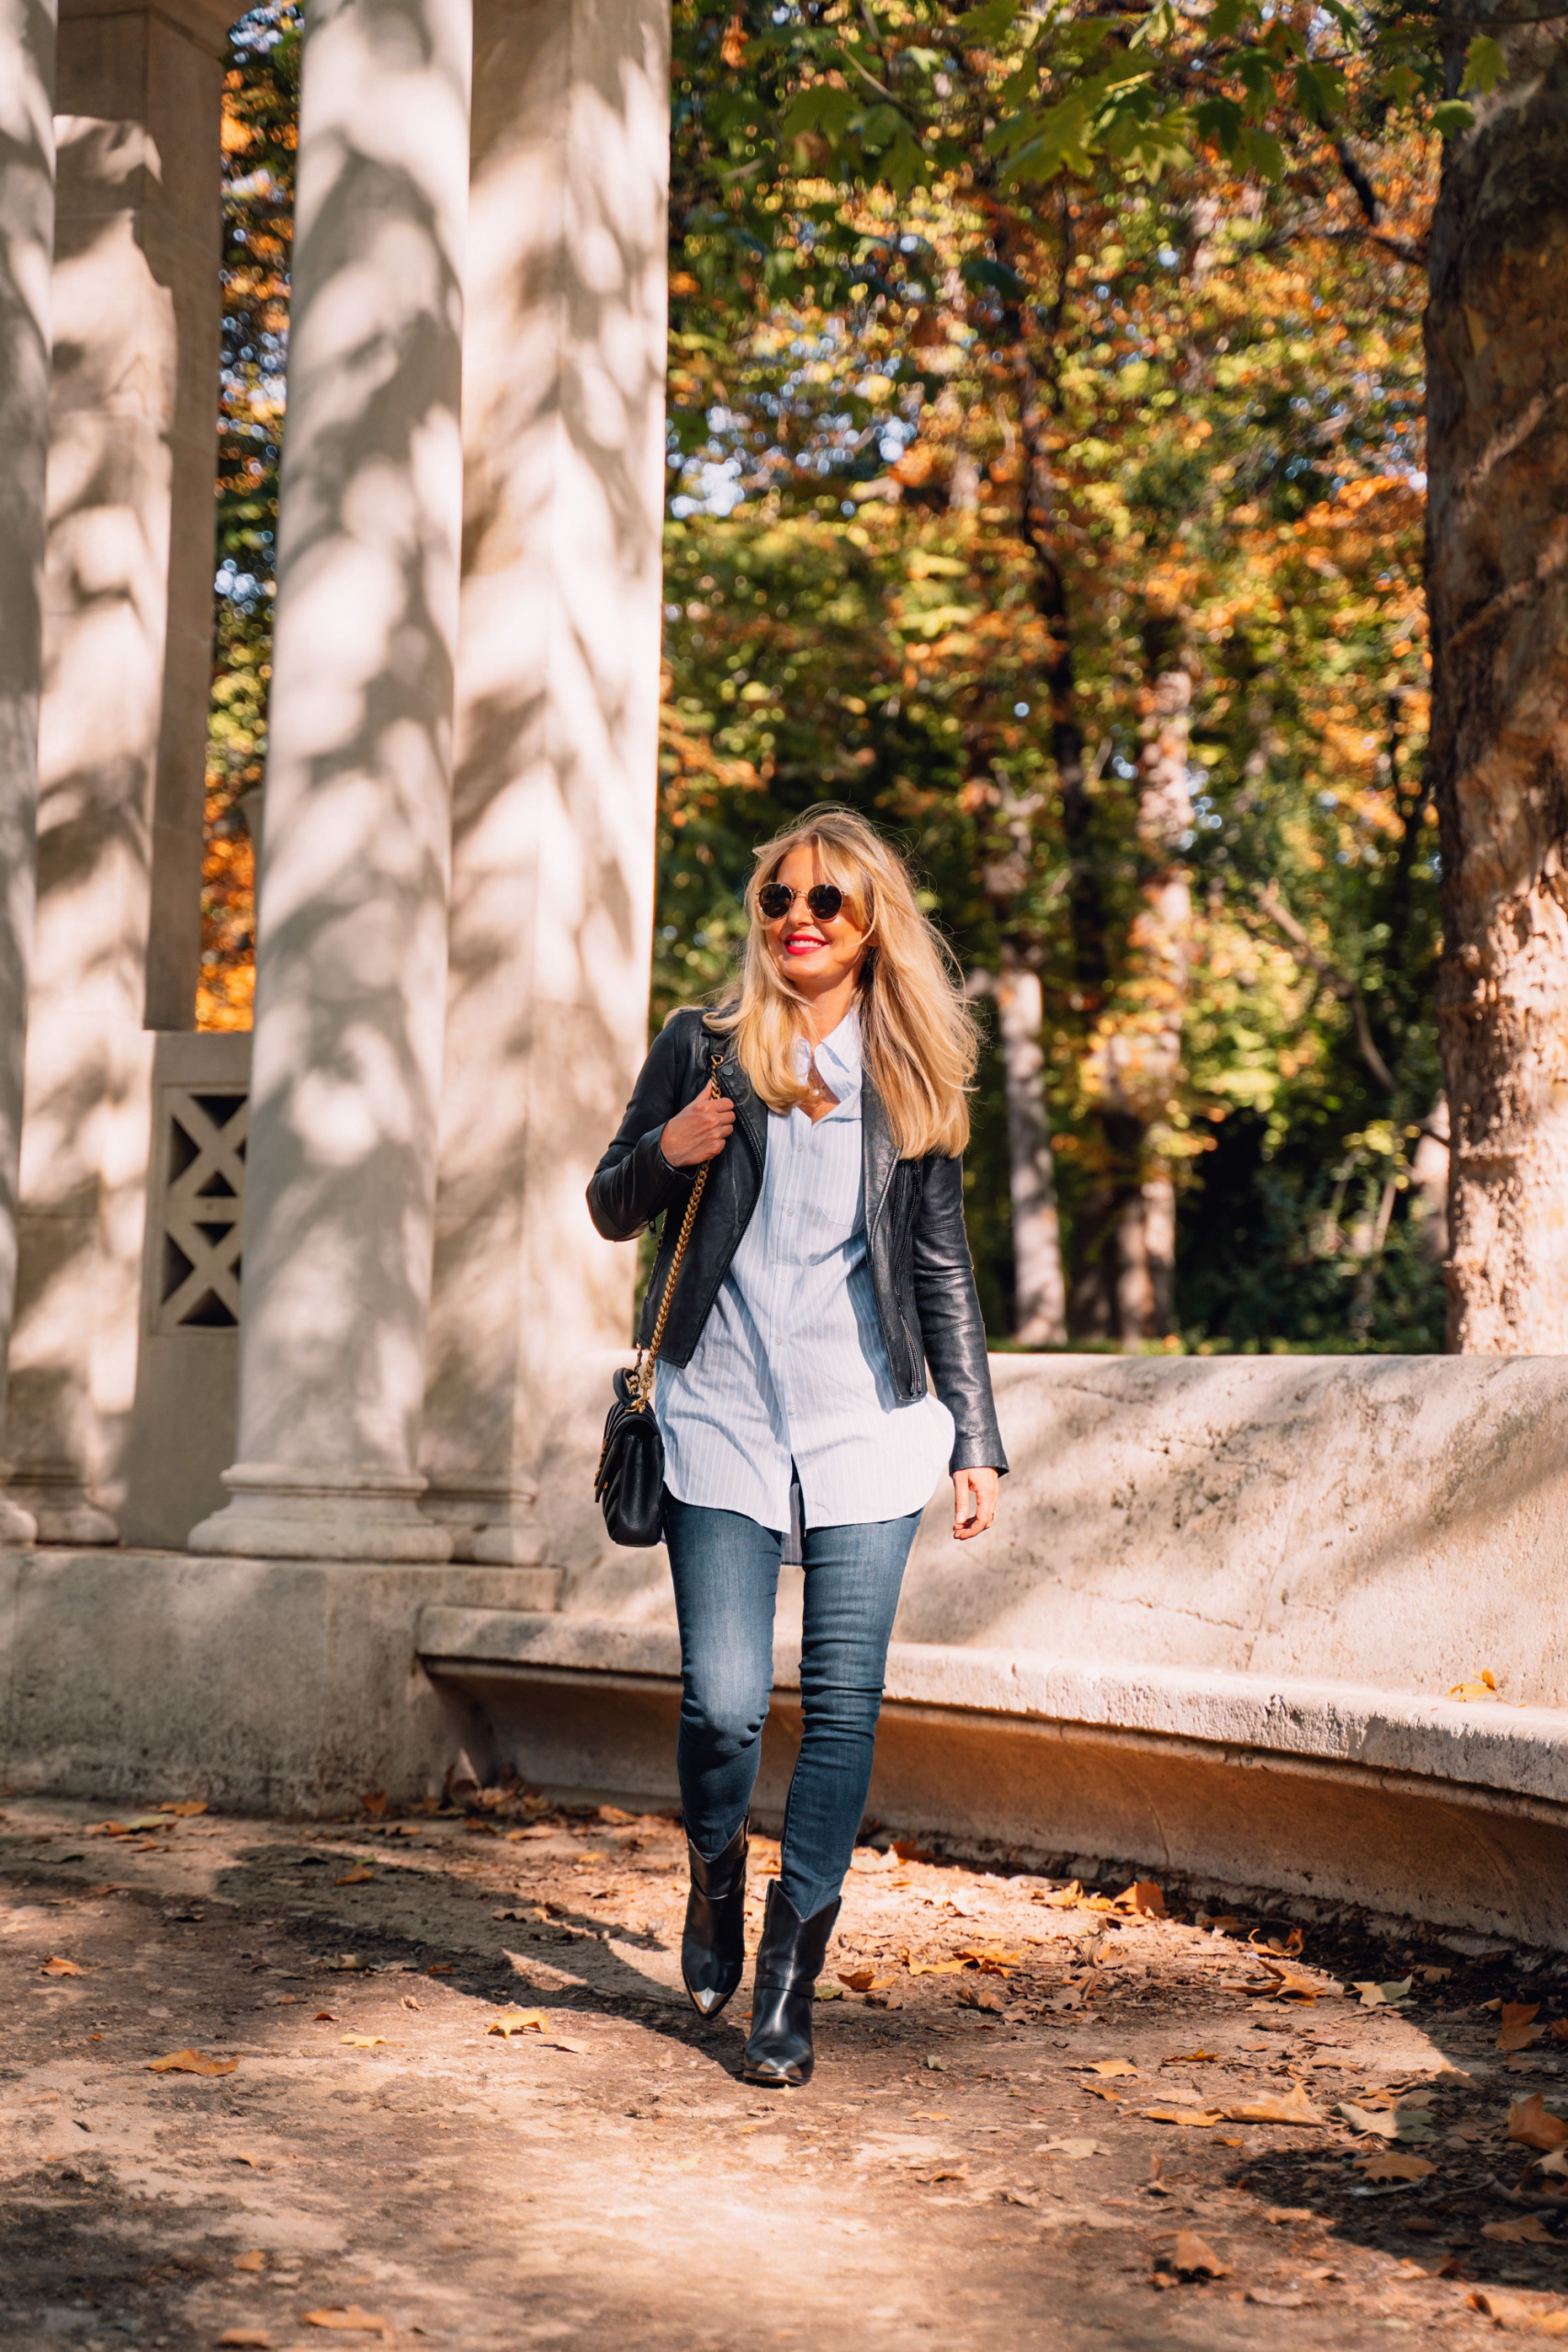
[917, 1248]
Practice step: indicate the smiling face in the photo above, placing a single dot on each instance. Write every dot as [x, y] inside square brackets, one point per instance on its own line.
[817, 958]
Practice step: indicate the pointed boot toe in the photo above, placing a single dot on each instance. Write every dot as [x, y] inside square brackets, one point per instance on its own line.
[712, 1946]
[780, 2051]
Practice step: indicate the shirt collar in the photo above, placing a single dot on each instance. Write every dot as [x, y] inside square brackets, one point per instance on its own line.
[839, 1058]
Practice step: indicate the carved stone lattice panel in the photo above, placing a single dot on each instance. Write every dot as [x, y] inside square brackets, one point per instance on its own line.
[198, 1254]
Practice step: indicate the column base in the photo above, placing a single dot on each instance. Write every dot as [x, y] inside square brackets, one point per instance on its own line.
[279, 1512]
[45, 1505]
[491, 1522]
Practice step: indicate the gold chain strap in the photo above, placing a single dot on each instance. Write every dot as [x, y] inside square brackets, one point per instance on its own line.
[641, 1380]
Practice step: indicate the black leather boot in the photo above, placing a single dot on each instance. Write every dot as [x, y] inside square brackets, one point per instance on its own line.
[789, 1961]
[713, 1949]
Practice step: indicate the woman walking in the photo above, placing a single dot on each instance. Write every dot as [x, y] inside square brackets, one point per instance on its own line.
[827, 1266]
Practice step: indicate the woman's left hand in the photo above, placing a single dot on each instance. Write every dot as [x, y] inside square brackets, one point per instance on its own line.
[974, 1502]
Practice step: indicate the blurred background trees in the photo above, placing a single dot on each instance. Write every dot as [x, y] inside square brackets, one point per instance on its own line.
[1066, 517]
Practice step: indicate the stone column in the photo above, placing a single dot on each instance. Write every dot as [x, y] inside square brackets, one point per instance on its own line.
[558, 699]
[351, 949]
[27, 247]
[127, 628]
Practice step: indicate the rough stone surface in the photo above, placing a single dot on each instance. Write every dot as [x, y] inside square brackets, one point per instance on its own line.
[975, 2162]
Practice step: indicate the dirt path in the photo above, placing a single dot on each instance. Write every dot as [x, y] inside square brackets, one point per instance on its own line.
[956, 2176]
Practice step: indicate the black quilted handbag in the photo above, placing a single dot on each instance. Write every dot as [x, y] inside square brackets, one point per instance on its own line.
[629, 1483]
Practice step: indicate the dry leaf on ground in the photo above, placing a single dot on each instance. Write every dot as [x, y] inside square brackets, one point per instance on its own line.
[1524, 2229]
[1193, 2258]
[1290, 1985]
[1295, 2108]
[1388, 2123]
[324, 2017]
[1388, 2164]
[938, 1967]
[1520, 2031]
[1385, 1996]
[1145, 1897]
[375, 1801]
[509, 2021]
[1483, 1686]
[1542, 2315]
[256, 2338]
[1529, 2123]
[990, 1956]
[981, 1997]
[1111, 2068]
[254, 2260]
[1287, 1949]
[55, 1966]
[191, 2062]
[1190, 2058]
[1203, 2117]
[355, 1878]
[1076, 2151]
[187, 1810]
[366, 2040]
[351, 2318]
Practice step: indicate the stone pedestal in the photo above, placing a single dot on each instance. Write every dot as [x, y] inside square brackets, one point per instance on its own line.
[127, 624]
[27, 247]
[557, 686]
[352, 900]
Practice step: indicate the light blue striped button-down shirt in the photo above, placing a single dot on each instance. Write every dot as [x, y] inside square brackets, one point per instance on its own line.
[791, 1365]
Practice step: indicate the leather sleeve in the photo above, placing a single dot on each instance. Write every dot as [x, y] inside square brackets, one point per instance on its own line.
[951, 1326]
[634, 1182]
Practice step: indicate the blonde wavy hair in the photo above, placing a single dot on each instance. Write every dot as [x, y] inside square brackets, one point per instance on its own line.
[917, 1032]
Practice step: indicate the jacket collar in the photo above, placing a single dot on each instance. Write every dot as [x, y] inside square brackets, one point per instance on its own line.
[750, 1112]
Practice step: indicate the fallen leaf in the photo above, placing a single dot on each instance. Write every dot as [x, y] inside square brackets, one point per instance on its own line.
[1290, 2213]
[1144, 1897]
[1023, 2197]
[1386, 2164]
[943, 2172]
[1529, 2123]
[1519, 2031]
[440, 1968]
[936, 1967]
[981, 1997]
[1556, 2165]
[374, 1801]
[1190, 2057]
[1388, 1996]
[1434, 1975]
[244, 2157]
[992, 1957]
[1483, 1686]
[408, 2001]
[509, 2021]
[366, 2323]
[565, 2042]
[1296, 2108]
[187, 1810]
[1076, 2151]
[1390, 2123]
[1536, 2312]
[1290, 1985]
[355, 1878]
[1112, 2068]
[1525, 2228]
[366, 2040]
[1290, 1946]
[324, 2017]
[256, 2338]
[1202, 2117]
[1069, 1998]
[1192, 2258]
[1278, 2299]
[830, 1992]
[191, 2062]
[254, 2260]
[54, 1966]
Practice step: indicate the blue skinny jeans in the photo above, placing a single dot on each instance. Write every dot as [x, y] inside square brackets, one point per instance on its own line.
[726, 1570]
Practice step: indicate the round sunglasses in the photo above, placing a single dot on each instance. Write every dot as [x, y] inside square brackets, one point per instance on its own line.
[774, 900]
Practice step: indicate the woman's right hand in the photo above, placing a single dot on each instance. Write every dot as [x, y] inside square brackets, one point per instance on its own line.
[699, 1130]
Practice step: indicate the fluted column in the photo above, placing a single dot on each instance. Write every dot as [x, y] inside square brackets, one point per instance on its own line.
[351, 945]
[27, 246]
[557, 701]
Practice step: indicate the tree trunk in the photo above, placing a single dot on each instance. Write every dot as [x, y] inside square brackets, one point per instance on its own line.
[1128, 1255]
[1497, 592]
[1040, 1297]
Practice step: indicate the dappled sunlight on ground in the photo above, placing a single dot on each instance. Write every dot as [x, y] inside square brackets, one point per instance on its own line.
[1039, 2116]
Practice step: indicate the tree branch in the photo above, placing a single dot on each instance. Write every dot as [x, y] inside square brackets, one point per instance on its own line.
[1274, 911]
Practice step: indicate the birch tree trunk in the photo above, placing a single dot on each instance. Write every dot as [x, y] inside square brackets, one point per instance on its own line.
[1497, 592]
[1040, 1293]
